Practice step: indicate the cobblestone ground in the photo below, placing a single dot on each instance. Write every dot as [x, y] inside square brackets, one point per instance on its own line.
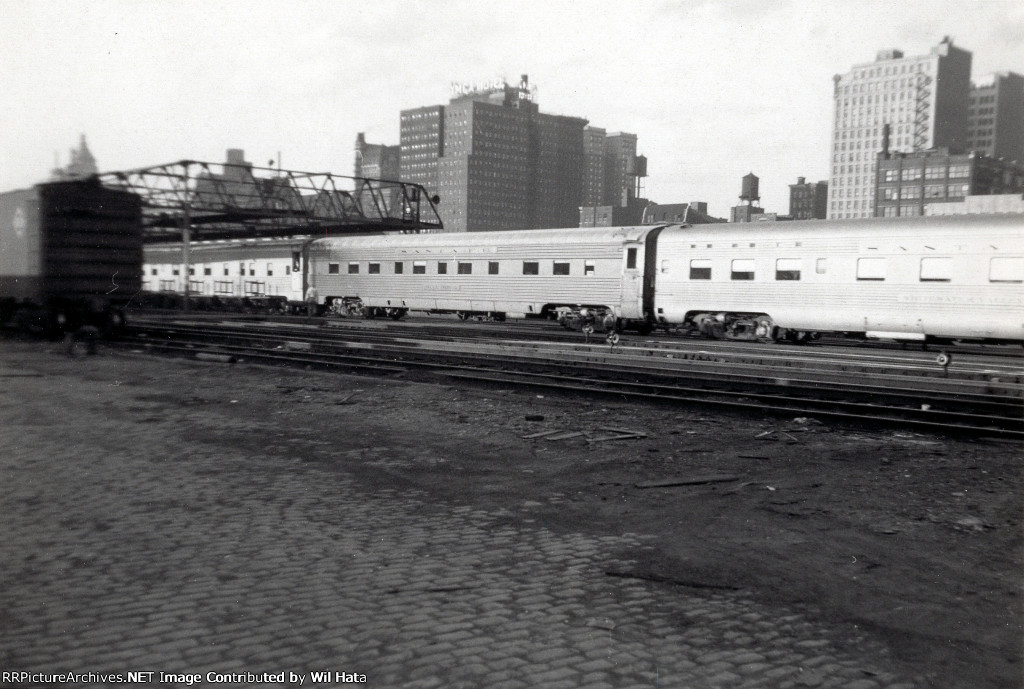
[130, 546]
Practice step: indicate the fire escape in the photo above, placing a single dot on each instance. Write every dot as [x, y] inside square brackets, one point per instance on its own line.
[922, 106]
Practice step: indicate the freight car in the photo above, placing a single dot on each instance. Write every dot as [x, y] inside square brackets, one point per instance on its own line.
[71, 256]
[942, 278]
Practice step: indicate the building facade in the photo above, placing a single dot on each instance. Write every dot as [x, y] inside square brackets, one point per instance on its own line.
[996, 116]
[912, 184]
[808, 200]
[499, 163]
[924, 99]
[421, 144]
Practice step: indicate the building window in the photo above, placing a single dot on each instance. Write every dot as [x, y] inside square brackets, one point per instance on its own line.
[399, 267]
[787, 269]
[531, 268]
[935, 191]
[560, 268]
[936, 269]
[419, 267]
[373, 269]
[934, 172]
[353, 268]
[1010, 269]
[588, 267]
[492, 267]
[700, 269]
[631, 259]
[333, 268]
[442, 268]
[911, 174]
[742, 269]
[465, 268]
[871, 269]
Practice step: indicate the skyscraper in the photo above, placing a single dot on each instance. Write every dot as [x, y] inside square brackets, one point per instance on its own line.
[996, 124]
[924, 99]
[499, 163]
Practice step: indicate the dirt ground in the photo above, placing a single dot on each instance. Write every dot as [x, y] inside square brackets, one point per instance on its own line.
[915, 539]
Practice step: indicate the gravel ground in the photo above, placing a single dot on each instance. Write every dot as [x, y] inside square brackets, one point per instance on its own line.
[905, 543]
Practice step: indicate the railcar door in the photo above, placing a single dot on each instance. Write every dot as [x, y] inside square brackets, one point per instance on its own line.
[632, 281]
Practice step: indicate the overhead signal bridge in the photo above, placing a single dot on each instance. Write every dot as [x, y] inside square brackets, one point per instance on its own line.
[205, 201]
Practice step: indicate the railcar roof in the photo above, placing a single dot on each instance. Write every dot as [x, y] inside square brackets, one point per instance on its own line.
[867, 227]
[442, 239]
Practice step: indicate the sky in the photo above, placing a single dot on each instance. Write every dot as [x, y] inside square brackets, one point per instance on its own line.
[713, 89]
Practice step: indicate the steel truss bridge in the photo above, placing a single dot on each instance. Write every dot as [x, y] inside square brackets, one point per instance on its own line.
[192, 200]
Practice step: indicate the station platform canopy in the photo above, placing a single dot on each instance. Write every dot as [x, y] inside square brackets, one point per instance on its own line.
[231, 201]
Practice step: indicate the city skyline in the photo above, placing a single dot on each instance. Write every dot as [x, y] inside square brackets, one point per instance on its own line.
[713, 90]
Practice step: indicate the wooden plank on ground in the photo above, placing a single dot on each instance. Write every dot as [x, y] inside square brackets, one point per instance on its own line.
[689, 481]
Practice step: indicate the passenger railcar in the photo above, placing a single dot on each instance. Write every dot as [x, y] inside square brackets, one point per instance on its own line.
[228, 268]
[908, 279]
[594, 274]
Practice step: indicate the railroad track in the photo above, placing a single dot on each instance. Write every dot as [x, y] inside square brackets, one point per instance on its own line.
[841, 390]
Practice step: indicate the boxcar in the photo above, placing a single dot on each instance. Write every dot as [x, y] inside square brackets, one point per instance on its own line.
[72, 254]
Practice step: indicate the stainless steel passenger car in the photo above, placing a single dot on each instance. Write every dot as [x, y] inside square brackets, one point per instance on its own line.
[909, 279]
[576, 273]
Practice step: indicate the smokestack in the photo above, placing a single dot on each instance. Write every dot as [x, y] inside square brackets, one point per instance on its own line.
[885, 141]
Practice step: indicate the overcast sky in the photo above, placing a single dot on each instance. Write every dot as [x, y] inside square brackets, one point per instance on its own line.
[714, 89]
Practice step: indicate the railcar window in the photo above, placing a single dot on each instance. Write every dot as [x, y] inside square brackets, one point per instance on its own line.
[270, 270]
[492, 267]
[191, 271]
[399, 267]
[152, 271]
[700, 269]
[787, 269]
[175, 271]
[419, 267]
[333, 268]
[531, 268]
[252, 270]
[742, 269]
[241, 269]
[353, 268]
[207, 270]
[631, 259]
[442, 268]
[227, 270]
[936, 269]
[465, 268]
[562, 267]
[296, 258]
[1007, 269]
[588, 267]
[821, 266]
[373, 269]
[871, 269]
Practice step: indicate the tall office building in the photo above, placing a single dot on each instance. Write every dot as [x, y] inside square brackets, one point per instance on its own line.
[499, 163]
[996, 116]
[924, 99]
[375, 161]
[593, 178]
[421, 143]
